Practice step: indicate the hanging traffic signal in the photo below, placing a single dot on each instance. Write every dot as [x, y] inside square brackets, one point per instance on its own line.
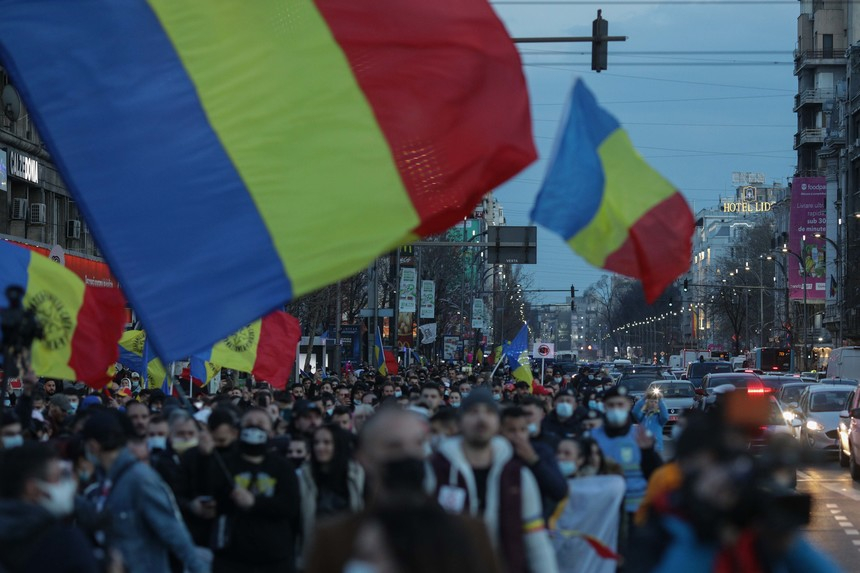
[686, 284]
[599, 45]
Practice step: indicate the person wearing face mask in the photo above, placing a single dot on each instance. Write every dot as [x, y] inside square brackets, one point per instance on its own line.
[652, 413]
[631, 447]
[592, 508]
[258, 504]
[36, 495]
[132, 510]
[11, 431]
[566, 417]
[534, 408]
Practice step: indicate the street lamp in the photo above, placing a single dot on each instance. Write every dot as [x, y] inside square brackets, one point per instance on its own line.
[788, 251]
[839, 296]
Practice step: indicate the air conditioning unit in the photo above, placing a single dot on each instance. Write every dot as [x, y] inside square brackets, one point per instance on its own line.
[19, 209]
[73, 229]
[856, 143]
[37, 213]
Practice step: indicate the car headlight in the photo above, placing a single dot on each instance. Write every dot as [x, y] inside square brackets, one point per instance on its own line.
[789, 416]
[814, 426]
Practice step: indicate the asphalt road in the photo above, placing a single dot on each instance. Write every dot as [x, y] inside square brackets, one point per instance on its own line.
[835, 525]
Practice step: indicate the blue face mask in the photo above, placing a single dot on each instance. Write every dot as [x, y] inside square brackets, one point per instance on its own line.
[567, 467]
[564, 409]
[616, 416]
[455, 404]
[464, 395]
[398, 393]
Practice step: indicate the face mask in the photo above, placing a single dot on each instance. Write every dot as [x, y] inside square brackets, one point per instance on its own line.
[564, 410]
[182, 446]
[156, 443]
[73, 407]
[497, 397]
[464, 395]
[590, 377]
[616, 416]
[455, 404]
[198, 405]
[357, 402]
[567, 467]
[356, 566]
[60, 500]
[557, 380]
[398, 393]
[253, 440]
[533, 429]
[676, 432]
[10, 442]
[84, 476]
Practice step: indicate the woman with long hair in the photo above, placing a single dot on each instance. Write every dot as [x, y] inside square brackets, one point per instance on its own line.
[331, 482]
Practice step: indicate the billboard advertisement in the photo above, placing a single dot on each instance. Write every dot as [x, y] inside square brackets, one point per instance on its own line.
[808, 216]
[408, 290]
[4, 171]
[350, 342]
[428, 299]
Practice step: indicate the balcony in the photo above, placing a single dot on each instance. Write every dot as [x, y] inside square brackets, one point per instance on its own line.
[813, 96]
[809, 136]
[815, 58]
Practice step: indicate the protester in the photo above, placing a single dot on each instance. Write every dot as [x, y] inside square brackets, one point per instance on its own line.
[651, 412]
[509, 503]
[565, 420]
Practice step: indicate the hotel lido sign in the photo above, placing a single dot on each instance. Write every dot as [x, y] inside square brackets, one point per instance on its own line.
[747, 207]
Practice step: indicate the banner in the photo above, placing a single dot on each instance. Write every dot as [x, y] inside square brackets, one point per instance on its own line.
[408, 290]
[350, 342]
[428, 333]
[428, 299]
[477, 314]
[449, 347]
[808, 216]
[405, 335]
[4, 186]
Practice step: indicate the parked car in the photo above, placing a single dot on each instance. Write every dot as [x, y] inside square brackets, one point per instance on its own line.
[843, 430]
[677, 396]
[789, 394]
[818, 411]
[736, 379]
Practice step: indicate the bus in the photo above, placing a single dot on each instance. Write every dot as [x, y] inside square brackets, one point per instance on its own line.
[774, 359]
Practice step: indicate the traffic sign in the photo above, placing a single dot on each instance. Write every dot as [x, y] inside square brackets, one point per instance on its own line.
[544, 350]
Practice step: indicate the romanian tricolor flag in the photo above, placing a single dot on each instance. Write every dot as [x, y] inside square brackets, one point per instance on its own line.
[266, 348]
[81, 324]
[264, 138]
[379, 357]
[135, 353]
[610, 206]
[201, 372]
[518, 356]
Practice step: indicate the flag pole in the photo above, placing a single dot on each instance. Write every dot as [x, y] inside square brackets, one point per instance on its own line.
[504, 358]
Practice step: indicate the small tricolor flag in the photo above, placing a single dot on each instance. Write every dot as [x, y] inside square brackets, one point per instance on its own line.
[201, 372]
[136, 354]
[518, 357]
[82, 324]
[379, 357]
[266, 348]
[229, 123]
[609, 205]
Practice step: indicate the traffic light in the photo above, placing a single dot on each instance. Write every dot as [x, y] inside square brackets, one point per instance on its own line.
[572, 298]
[670, 302]
[599, 45]
[686, 284]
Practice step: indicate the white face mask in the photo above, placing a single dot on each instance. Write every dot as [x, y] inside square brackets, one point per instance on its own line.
[564, 409]
[533, 429]
[60, 500]
[616, 416]
[156, 443]
[567, 467]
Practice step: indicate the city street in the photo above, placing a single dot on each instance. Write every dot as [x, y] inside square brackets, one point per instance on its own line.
[835, 526]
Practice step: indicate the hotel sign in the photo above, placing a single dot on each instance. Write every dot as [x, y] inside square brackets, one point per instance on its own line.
[747, 207]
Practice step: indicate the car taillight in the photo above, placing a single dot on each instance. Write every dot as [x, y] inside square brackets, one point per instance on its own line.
[758, 388]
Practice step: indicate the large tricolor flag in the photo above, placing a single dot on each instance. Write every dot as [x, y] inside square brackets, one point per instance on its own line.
[610, 206]
[265, 138]
[516, 351]
[266, 348]
[82, 324]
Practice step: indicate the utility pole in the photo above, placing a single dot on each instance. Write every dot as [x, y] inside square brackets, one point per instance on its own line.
[599, 41]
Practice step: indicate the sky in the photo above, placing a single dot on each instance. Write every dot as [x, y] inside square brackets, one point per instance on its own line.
[704, 89]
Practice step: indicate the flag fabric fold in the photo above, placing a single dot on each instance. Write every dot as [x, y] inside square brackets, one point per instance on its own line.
[266, 348]
[201, 372]
[379, 356]
[210, 110]
[609, 205]
[516, 351]
[81, 324]
[136, 354]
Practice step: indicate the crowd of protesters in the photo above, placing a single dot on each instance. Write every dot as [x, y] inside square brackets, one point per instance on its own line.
[440, 469]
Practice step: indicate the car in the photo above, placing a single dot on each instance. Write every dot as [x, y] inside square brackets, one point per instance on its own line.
[777, 381]
[789, 394]
[818, 412]
[736, 379]
[841, 381]
[636, 385]
[849, 434]
[677, 396]
[565, 367]
[696, 371]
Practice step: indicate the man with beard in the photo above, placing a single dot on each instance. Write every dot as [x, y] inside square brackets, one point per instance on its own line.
[258, 507]
[479, 475]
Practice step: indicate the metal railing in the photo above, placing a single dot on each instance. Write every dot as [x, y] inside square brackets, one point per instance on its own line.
[802, 58]
[815, 95]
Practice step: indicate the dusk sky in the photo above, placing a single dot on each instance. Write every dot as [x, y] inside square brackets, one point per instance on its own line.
[703, 88]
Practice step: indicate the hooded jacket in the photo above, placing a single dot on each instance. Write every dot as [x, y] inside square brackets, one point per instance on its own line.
[513, 511]
[308, 489]
[31, 539]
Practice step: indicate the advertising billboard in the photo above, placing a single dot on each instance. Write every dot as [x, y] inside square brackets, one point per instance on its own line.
[4, 171]
[808, 216]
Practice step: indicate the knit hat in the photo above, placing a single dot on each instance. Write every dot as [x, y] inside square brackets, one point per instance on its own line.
[61, 401]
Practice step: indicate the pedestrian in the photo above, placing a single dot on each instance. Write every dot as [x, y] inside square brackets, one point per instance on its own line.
[36, 497]
[257, 501]
[651, 412]
[139, 514]
[565, 420]
[479, 475]
[331, 482]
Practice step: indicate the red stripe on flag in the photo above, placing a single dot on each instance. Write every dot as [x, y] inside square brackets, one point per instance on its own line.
[447, 88]
[600, 548]
[276, 353]
[95, 342]
[658, 247]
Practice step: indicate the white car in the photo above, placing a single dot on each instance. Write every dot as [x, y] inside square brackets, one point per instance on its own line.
[677, 395]
[818, 411]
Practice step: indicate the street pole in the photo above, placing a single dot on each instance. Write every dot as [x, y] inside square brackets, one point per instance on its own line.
[339, 312]
[761, 301]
